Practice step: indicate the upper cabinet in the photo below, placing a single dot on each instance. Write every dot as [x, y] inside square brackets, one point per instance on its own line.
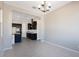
[29, 26]
[33, 25]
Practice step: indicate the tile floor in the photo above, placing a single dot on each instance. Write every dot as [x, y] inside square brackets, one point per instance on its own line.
[32, 48]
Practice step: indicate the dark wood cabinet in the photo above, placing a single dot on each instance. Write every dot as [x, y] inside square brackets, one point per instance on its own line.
[29, 26]
[32, 26]
[32, 36]
[28, 35]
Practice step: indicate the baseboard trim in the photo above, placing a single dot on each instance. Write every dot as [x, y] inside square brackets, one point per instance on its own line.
[69, 49]
[3, 51]
[7, 48]
[42, 40]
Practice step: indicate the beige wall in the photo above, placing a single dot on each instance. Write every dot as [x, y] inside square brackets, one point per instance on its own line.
[62, 26]
[1, 3]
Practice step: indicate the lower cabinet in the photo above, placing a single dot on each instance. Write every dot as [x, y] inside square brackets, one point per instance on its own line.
[17, 38]
[32, 36]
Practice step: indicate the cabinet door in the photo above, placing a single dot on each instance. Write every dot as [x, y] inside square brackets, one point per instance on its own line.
[29, 26]
[17, 38]
[28, 35]
[34, 25]
[34, 36]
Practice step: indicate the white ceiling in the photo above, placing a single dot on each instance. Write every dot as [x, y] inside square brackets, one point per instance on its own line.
[21, 16]
[27, 5]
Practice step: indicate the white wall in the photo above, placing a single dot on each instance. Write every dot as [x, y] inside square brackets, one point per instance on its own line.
[7, 27]
[62, 26]
[24, 29]
[41, 27]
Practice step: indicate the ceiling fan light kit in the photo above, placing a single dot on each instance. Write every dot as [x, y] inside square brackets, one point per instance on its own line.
[44, 6]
